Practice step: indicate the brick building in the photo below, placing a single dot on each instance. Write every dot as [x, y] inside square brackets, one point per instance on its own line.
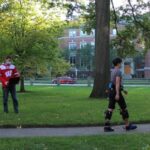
[74, 39]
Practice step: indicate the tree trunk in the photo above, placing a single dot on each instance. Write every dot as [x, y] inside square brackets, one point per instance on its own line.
[102, 69]
[22, 87]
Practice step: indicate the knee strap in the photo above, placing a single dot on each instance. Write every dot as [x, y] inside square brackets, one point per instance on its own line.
[124, 113]
[108, 114]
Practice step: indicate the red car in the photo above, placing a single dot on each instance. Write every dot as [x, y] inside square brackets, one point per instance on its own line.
[63, 80]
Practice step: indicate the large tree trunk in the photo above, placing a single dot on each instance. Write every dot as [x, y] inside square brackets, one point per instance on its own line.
[102, 69]
[22, 87]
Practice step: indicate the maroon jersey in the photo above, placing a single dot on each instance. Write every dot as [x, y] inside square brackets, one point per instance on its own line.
[7, 72]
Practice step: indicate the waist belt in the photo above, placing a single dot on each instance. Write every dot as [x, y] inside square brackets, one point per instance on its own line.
[111, 86]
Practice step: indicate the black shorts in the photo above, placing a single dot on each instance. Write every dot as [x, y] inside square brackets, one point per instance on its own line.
[112, 102]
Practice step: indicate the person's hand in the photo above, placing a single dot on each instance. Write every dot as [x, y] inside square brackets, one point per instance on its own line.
[117, 97]
[6, 83]
[106, 91]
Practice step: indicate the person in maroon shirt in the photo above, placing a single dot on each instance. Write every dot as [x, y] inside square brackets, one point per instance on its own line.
[9, 77]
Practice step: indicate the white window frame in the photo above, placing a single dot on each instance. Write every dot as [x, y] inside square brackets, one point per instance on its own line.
[72, 33]
[83, 33]
[92, 43]
[83, 44]
[71, 47]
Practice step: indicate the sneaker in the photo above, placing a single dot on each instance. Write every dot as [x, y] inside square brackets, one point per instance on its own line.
[130, 127]
[108, 129]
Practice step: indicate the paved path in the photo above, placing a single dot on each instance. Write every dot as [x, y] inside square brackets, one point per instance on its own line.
[68, 131]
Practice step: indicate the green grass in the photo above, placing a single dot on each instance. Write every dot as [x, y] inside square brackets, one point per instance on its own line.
[58, 106]
[108, 142]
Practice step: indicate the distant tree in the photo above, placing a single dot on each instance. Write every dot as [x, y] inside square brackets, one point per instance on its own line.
[59, 67]
[86, 57]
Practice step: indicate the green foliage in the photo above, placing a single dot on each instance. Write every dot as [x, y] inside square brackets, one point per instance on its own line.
[77, 23]
[146, 34]
[85, 57]
[59, 67]
[124, 42]
[90, 17]
[65, 54]
[135, 32]
[29, 31]
[139, 21]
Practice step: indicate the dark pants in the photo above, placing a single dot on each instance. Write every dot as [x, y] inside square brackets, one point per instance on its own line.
[112, 102]
[111, 106]
[12, 90]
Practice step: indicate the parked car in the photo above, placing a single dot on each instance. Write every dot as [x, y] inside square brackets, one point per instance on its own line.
[63, 80]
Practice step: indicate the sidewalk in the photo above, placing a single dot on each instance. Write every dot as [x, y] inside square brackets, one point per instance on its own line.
[69, 131]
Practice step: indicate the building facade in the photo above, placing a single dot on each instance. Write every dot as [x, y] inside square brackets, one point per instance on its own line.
[75, 39]
[147, 65]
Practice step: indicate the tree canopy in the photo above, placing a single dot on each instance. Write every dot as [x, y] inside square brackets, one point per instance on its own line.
[29, 31]
[127, 20]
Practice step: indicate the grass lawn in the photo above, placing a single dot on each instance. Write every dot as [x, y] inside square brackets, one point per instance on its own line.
[55, 106]
[108, 142]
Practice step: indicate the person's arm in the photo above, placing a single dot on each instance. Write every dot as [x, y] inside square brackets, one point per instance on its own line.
[16, 73]
[118, 83]
[15, 77]
[3, 81]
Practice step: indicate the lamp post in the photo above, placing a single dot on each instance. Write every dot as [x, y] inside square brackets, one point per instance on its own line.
[76, 72]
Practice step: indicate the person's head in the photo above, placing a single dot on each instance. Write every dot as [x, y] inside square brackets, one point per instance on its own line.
[117, 62]
[8, 59]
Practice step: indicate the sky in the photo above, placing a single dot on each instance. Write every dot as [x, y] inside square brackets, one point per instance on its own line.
[118, 3]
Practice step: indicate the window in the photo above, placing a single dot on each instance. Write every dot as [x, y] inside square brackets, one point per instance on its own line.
[72, 59]
[93, 32]
[82, 33]
[83, 44]
[92, 43]
[114, 32]
[72, 46]
[72, 33]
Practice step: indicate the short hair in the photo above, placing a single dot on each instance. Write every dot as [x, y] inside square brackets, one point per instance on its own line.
[8, 57]
[117, 61]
